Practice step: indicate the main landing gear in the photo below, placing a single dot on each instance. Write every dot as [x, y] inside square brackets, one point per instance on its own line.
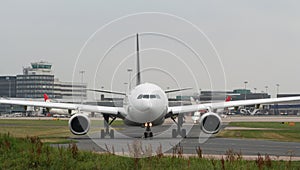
[107, 131]
[179, 130]
[148, 133]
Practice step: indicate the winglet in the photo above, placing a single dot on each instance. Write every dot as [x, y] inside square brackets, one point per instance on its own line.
[46, 98]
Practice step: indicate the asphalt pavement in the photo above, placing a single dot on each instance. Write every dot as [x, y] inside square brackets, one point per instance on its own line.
[129, 138]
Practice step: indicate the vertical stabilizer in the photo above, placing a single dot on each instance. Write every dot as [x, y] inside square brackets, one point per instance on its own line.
[138, 73]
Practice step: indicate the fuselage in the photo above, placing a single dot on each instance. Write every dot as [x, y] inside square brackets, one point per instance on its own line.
[144, 103]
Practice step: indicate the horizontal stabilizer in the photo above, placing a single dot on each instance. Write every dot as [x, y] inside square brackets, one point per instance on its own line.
[107, 91]
[176, 90]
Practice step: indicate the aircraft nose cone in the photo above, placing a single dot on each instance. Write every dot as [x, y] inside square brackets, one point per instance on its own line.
[145, 106]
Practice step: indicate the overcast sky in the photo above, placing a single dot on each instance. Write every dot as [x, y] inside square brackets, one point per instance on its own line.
[209, 45]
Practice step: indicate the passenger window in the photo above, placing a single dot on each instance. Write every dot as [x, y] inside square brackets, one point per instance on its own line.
[152, 96]
[146, 96]
[140, 96]
[157, 96]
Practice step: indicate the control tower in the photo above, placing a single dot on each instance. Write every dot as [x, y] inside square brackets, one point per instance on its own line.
[35, 81]
[38, 68]
[38, 79]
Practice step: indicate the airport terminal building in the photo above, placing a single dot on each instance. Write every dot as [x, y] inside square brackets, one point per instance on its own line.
[8, 86]
[218, 96]
[290, 108]
[37, 80]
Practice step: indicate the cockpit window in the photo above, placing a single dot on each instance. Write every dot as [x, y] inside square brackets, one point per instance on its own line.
[146, 96]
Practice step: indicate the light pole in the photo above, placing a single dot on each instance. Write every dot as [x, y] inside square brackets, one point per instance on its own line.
[200, 94]
[262, 94]
[277, 90]
[102, 98]
[129, 70]
[81, 96]
[245, 89]
[266, 89]
[255, 89]
[125, 86]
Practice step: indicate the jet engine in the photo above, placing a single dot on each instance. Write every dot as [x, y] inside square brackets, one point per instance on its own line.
[210, 123]
[79, 124]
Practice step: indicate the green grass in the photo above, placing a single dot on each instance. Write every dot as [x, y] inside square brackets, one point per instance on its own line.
[54, 122]
[275, 125]
[31, 153]
[274, 131]
[50, 131]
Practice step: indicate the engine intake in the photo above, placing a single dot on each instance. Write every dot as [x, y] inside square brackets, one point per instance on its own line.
[211, 123]
[79, 124]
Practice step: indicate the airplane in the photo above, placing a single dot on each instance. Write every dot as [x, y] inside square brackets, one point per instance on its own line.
[55, 111]
[145, 105]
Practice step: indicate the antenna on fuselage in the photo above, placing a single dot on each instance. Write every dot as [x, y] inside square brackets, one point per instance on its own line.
[138, 72]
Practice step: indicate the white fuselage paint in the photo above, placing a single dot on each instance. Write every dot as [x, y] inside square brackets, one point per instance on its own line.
[146, 102]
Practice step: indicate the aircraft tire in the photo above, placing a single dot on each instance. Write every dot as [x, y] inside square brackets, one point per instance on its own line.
[145, 134]
[183, 133]
[102, 134]
[112, 134]
[174, 133]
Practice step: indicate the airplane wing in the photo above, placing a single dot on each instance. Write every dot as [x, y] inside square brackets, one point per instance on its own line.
[115, 111]
[191, 108]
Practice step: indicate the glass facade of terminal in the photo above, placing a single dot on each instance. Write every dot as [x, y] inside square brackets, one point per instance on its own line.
[34, 86]
[7, 86]
[69, 90]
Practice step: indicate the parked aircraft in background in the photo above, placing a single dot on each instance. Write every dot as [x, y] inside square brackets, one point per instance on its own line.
[57, 112]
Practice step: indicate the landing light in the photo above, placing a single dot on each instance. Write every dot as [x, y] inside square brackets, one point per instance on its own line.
[148, 124]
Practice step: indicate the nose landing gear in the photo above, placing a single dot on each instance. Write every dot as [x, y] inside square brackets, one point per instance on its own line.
[148, 133]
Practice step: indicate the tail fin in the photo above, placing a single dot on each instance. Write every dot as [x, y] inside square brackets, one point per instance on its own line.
[228, 99]
[138, 73]
[46, 98]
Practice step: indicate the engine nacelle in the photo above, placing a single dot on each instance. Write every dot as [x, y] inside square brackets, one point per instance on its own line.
[79, 124]
[211, 123]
